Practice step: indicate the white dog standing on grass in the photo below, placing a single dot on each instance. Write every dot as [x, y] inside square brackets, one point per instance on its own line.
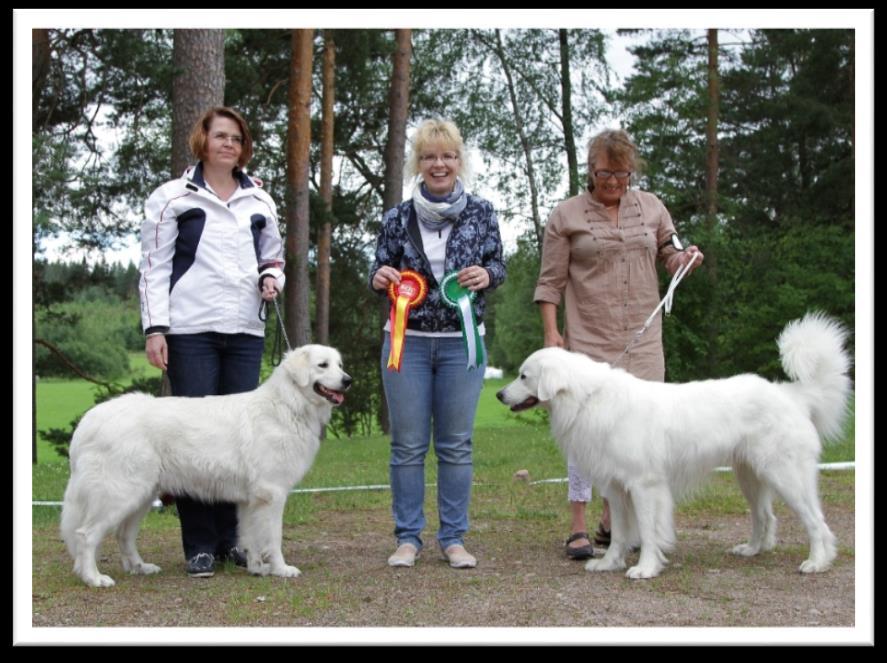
[249, 448]
[648, 443]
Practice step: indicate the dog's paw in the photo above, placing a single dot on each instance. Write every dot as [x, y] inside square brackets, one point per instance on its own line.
[809, 566]
[745, 550]
[139, 567]
[259, 569]
[99, 580]
[604, 564]
[287, 572]
[142, 569]
[642, 572]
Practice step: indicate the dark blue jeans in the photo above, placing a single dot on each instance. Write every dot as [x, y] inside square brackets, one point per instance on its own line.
[211, 364]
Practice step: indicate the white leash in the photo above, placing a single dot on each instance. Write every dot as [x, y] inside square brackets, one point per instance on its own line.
[666, 302]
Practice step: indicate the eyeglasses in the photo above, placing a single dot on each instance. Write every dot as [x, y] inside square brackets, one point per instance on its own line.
[446, 157]
[224, 138]
[607, 174]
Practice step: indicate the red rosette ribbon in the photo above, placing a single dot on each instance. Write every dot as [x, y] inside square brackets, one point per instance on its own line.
[407, 294]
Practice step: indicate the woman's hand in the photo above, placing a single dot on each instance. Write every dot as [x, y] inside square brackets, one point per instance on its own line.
[681, 258]
[156, 351]
[384, 277]
[474, 278]
[553, 339]
[269, 288]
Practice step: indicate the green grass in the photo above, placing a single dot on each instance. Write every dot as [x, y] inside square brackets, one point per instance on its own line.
[503, 444]
[61, 401]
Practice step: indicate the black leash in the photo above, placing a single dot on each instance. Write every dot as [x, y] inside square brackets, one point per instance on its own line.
[277, 347]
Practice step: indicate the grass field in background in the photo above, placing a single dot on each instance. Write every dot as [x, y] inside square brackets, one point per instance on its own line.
[504, 443]
[61, 401]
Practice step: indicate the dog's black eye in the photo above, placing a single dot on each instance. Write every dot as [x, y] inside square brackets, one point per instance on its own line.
[523, 377]
[324, 365]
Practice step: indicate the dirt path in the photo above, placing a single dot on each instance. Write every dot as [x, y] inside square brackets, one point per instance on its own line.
[522, 580]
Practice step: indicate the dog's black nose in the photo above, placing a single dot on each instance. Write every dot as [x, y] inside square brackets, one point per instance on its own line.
[500, 395]
[347, 380]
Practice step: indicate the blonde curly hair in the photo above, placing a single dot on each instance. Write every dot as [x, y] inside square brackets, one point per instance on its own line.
[441, 131]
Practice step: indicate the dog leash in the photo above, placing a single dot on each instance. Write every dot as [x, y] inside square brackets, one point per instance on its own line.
[666, 302]
[277, 349]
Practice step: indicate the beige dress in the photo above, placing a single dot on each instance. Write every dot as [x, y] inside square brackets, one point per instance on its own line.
[605, 272]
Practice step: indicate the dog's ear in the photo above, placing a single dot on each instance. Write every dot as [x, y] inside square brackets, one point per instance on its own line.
[552, 380]
[298, 366]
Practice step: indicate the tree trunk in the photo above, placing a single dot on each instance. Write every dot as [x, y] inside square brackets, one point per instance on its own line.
[40, 56]
[298, 316]
[711, 203]
[398, 108]
[566, 100]
[522, 134]
[324, 240]
[198, 85]
[711, 165]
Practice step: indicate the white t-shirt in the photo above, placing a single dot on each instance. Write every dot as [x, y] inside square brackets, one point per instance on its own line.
[435, 244]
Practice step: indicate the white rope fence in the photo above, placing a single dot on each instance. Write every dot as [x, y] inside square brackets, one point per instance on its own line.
[384, 486]
[851, 465]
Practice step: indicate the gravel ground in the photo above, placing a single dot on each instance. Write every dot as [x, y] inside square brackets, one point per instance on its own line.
[523, 579]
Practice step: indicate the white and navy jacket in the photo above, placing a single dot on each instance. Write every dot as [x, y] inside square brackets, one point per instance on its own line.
[203, 258]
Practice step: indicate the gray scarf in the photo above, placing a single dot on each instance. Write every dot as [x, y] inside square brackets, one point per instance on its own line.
[435, 213]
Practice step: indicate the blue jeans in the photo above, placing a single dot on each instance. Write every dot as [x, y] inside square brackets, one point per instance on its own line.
[211, 364]
[434, 386]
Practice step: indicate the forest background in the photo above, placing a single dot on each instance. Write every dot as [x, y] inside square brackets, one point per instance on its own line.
[778, 221]
[748, 138]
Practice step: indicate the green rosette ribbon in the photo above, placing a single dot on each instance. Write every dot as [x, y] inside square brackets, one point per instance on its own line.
[460, 298]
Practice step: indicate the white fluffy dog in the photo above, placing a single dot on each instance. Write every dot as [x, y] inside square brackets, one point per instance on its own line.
[248, 448]
[646, 444]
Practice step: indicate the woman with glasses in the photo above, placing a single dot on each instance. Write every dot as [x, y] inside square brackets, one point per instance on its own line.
[211, 252]
[599, 255]
[445, 236]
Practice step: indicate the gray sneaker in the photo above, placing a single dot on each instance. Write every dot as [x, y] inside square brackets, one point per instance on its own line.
[202, 565]
[405, 555]
[459, 558]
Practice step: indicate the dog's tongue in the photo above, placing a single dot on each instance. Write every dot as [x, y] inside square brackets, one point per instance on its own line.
[339, 398]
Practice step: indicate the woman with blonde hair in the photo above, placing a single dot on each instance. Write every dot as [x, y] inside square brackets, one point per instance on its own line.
[441, 238]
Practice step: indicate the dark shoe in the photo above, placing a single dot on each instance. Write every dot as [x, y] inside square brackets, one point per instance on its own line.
[579, 552]
[602, 536]
[202, 565]
[235, 555]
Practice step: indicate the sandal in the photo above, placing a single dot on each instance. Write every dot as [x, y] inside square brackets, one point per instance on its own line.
[579, 552]
[602, 536]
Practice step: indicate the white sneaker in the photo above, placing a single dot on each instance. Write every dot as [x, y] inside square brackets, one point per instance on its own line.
[405, 555]
[458, 557]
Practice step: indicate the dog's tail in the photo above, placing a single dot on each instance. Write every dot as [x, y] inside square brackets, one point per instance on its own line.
[813, 356]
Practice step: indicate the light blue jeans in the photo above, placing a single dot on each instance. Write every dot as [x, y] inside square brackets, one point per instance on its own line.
[433, 387]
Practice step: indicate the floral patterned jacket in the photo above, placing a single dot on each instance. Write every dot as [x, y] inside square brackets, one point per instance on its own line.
[474, 240]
